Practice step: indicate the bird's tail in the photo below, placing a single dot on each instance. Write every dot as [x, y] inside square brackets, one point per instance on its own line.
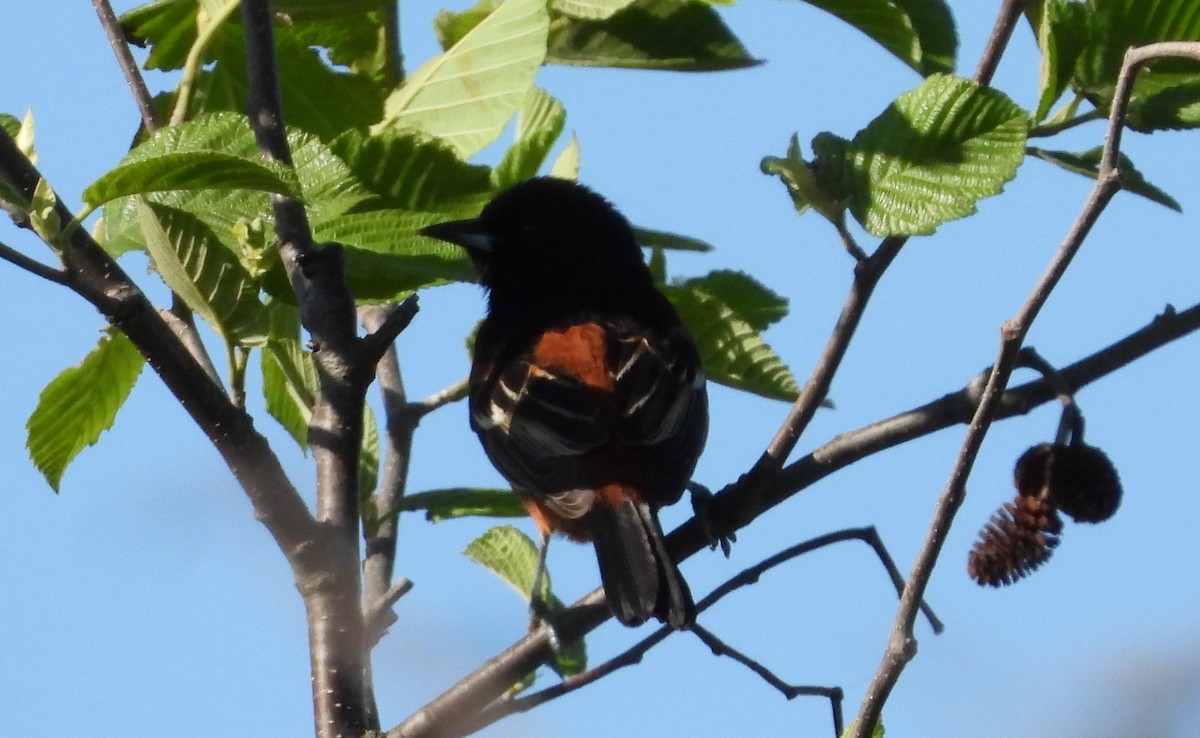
[640, 579]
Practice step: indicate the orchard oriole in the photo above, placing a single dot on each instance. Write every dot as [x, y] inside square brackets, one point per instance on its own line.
[585, 390]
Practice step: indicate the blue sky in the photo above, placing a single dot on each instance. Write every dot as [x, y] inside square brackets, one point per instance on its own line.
[145, 599]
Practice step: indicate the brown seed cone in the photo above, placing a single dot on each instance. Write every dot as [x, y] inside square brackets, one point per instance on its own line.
[1079, 479]
[1018, 539]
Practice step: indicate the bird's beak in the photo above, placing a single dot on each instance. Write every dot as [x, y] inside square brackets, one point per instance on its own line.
[466, 233]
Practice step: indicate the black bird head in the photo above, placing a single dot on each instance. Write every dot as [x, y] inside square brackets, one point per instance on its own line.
[548, 235]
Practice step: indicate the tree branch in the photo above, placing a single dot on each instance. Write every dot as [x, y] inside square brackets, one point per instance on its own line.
[1006, 21]
[31, 265]
[342, 699]
[901, 644]
[129, 67]
[744, 578]
[380, 560]
[789, 691]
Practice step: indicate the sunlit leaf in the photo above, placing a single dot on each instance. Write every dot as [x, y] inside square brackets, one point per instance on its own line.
[539, 124]
[80, 404]
[1167, 92]
[467, 94]
[732, 350]
[509, 554]
[933, 154]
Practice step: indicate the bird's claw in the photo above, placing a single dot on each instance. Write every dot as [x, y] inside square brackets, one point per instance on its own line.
[541, 614]
[702, 498]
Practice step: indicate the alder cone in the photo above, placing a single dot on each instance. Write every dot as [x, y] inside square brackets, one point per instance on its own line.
[1017, 540]
[1078, 479]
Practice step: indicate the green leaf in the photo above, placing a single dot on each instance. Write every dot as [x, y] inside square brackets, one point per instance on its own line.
[662, 240]
[208, 152]
[318, 99]
[511, 555]
[876, 732]
[207, 276]
[299, 11]
[467, 94]
[918, 32]
[385, 258]
[748, 298]
[460, 502]
[187, 170]
[290, 381]
[43, 213]
[11, 124]
[820, 184]
[410, 170]
[593, 10]
[933, 154]
[1061, 27]
[80, 404]
[327, 183]
[368, 457]
[539, 124]
[732, 351]
[1087, 163]
[686, 36]
[566, 164]
[1166, 93]
[168, 26]
[24, 136]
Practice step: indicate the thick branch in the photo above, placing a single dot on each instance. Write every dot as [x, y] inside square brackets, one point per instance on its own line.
[342, 699]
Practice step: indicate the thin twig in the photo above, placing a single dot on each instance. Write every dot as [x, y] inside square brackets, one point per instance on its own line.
[1002, 30]
[789, 691]
[442, 397]
[380, 555]
[744, 578]
[379, 615]
[193, 65]
[1071, 422]
[33, 266]
[1046, 130]
[396, 319]
[901, 644]
[179, 320]
[129, 67]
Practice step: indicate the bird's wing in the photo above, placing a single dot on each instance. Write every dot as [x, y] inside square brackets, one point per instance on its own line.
[604, 389]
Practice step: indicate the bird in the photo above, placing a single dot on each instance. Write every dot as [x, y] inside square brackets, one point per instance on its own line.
[586, 390]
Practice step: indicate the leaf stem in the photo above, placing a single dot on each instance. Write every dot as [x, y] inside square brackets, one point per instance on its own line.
[207, 28]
